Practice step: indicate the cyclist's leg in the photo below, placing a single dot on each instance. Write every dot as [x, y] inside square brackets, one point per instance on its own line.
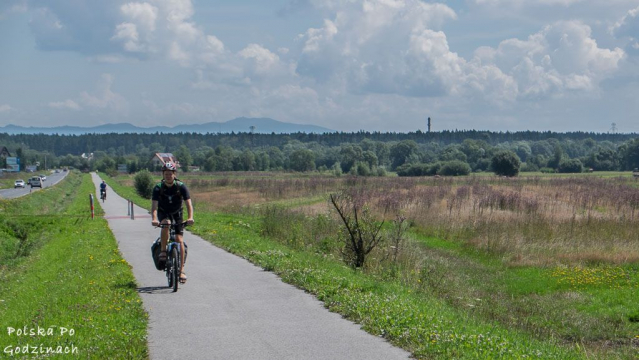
[179, 238]
[164, 234]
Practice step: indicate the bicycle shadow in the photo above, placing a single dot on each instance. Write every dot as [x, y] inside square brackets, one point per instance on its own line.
[154, 290]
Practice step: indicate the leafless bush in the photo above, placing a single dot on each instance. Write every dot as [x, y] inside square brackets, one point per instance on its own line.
[361, 233]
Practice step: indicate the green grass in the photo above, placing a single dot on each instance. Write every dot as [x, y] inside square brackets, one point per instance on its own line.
[74, 278]
[127, 192]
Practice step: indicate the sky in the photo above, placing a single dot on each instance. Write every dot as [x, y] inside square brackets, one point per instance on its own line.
[347, 65]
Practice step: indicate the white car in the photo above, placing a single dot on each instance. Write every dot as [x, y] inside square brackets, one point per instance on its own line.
[43, 177]
[18, 184]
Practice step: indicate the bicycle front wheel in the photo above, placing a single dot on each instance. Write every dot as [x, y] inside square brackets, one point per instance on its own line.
[175, 267]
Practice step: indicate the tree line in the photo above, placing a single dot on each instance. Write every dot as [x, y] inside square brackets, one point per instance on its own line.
[361, 153]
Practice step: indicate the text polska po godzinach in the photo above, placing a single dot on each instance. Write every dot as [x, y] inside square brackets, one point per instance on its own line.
[40, 331]
[41, 349]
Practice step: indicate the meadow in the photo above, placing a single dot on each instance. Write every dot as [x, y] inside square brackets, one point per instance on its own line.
[468, 267]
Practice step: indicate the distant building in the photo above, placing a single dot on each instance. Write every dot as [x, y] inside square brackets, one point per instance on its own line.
[4, 152]
[88, 156]
[160, 159]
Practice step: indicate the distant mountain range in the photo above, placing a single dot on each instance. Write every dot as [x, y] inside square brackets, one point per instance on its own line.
[242, 124]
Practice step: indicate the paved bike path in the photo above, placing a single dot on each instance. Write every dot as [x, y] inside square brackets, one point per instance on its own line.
[229, 308]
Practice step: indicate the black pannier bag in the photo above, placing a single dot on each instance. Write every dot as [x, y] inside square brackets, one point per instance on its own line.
[155, 253]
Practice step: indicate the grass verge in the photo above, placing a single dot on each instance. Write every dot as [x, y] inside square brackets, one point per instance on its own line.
[73, 293]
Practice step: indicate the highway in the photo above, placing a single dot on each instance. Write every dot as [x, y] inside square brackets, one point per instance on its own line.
[52, 179]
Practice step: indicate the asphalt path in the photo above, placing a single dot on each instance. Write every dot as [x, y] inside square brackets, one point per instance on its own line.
[52, 179]
[229, 308]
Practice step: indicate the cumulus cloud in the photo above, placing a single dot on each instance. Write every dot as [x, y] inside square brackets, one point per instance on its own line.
[5, 108]
[416, 59]
[84, 26]
[628, 27]
[518, 3]
[9, 7]
[103, 96]
[261, 60]
[67, 104]
[561, 57]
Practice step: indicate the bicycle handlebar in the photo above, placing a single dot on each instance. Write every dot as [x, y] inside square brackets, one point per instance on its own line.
[186, 223]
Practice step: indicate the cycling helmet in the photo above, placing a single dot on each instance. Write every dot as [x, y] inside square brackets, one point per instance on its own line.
[168, 166]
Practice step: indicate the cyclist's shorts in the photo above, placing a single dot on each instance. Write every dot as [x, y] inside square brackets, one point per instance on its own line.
[175, 219]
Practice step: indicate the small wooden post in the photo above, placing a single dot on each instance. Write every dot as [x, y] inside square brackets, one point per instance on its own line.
[91, 202]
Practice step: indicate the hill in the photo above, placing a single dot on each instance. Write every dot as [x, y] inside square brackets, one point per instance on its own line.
[241, 124]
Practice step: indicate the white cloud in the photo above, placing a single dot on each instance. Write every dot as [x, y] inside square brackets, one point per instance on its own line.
[561, 57]
[416, 59]
[144, 15]
[627, 27]
[67, 104]
[103, 97]
[261, 59]
[5, 108]
[518, 3]
[183, 110]
[9, 7]
[107, 58]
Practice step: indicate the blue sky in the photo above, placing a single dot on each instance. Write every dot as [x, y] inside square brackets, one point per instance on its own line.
[348, 65]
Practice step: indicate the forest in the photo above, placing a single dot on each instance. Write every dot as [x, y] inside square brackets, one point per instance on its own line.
[359, 153]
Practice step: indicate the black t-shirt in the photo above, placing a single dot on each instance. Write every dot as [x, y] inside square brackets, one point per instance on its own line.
[169, 202]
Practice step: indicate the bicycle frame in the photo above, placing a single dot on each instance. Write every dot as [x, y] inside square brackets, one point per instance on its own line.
[173, 263]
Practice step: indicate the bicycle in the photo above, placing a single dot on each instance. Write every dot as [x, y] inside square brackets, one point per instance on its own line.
[172, 265]
[103, 195]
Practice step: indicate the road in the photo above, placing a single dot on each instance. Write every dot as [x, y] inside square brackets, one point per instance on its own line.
[52, 179]
[229, 308]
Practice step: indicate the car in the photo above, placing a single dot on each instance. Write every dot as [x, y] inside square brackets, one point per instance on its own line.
[35, 182]
[19, 184]
[43, 177]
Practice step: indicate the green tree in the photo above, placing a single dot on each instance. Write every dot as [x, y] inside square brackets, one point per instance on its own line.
[369, 158]
[401, 152]
[630, 154]
[557, 157]
[505, 163]
[276, 157]
[570, 166]
[143, 182]
[349, 155]
[454, 168]
[302, 160]
[452, 152]
[602, 159]
[183, 155]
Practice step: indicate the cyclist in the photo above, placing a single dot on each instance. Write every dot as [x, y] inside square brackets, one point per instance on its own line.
[103, 189]
[167, 201]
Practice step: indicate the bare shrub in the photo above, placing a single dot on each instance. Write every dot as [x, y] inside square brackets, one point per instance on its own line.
[360, 234]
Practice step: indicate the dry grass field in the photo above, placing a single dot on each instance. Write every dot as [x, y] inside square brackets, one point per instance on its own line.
[554, 257]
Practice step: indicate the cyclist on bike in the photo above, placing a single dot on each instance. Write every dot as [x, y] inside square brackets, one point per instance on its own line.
[103, 188]
[167, 201]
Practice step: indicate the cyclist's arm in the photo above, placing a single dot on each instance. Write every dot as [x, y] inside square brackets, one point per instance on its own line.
[189, 210]
[154, 212]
